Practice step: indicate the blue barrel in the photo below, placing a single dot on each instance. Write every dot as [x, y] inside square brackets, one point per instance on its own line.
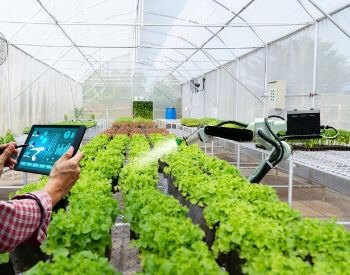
[170, 113]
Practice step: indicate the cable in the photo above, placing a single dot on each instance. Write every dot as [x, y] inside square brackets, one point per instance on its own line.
[329, 127]
[267, 166]
[279, 141]
[267, 139]
[241, 124]
[276, 116]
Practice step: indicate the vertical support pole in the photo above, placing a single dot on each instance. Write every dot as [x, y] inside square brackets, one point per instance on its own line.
[153, 103]
[265, 81]
[315, 65]
[217, 91]
[204, 101]
[48, 118]
[290, 182]
[25, 178]
[212, 147]
[9, 96]
[237, 87]
[34, 95]
[107, 115]
[238, 156]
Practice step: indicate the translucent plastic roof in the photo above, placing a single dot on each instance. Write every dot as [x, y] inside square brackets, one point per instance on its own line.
[161, 38]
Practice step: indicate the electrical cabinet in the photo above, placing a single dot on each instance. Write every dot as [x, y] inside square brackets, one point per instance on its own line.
[276, 94]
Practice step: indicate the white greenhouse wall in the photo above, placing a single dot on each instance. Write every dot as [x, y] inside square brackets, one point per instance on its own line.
[251, 73]
[292, 59]
[211, 95]
[227, 92]
[49, 96]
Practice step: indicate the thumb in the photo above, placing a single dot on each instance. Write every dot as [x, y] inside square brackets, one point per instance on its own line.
[7, 152]
[68, 154]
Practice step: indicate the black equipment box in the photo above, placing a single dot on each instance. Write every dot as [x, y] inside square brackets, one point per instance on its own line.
[303, 124]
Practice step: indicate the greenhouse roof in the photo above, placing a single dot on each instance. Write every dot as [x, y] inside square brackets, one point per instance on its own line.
[180, 38]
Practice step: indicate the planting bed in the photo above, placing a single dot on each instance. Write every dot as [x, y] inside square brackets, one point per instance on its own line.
[188, 214]
[134, 126]
[82, 229]
[268, 235]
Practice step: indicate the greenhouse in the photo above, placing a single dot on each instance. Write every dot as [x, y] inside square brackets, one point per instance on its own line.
[175, 137]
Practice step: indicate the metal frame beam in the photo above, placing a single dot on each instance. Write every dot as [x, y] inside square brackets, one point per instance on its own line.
[240, 17]
[329, 17]
[136, 47]
[140, 60]
[67, 36]
[305, 9]
[214, 35]
[287, 35]
[188, 42]
[194, 25]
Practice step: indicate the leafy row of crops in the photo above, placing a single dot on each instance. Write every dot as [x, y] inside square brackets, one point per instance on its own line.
[169, 242]
[268, 236]
[248, 220]
[329, 138]
[195, 122]
[134, 126]
[81, 231]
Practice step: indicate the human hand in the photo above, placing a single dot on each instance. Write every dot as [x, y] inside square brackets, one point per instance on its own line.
[63, 176]
[6, 159]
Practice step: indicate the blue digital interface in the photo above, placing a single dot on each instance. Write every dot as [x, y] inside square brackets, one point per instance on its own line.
[46, 145]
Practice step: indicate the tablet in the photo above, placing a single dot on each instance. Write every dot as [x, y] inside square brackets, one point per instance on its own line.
[47, 143]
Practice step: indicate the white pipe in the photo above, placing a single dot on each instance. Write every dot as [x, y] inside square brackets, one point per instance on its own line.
[9, 96]
[237, 87]
[134, 47]
[265, 80]
[315, 65]
[232, 25]
[329, 18]
[290, 182]
[211, 37]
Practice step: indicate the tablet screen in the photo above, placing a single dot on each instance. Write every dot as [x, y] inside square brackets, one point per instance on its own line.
[46, 145]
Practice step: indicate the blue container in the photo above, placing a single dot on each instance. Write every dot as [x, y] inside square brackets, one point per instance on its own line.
[170, 113]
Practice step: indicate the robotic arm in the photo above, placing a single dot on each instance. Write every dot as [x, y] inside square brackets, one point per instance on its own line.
[262, 131]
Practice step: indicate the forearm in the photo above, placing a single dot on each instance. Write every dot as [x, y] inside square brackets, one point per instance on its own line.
[24, 218]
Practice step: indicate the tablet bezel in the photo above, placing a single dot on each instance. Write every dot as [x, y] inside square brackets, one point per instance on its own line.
[76, 144]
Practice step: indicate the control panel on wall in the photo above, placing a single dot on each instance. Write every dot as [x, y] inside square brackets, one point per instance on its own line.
[276, 94]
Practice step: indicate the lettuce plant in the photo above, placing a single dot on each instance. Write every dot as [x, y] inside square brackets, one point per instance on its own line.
[84, 262]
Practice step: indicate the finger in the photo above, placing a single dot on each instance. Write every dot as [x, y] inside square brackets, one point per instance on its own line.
[3, 146]
[12, 161]
[68, 155]
[7, 152]
[78, 157]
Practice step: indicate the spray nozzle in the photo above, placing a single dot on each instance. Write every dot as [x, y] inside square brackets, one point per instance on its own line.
[179, 141]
